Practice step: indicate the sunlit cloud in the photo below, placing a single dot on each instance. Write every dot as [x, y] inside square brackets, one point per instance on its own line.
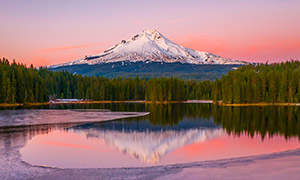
[65, 48]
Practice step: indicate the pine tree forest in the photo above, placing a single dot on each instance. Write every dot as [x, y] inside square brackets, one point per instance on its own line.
[271, 83]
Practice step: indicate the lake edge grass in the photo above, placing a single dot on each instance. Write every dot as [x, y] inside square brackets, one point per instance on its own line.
[258, 104]
[150, 102]
[10, 105]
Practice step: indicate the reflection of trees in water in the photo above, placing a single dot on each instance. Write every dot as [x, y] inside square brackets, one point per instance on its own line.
[262, 120]
[172, 114]
[169, 114]
[268, 120]
[18, 136]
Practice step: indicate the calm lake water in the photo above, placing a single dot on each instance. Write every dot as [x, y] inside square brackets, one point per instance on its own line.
[172, 133]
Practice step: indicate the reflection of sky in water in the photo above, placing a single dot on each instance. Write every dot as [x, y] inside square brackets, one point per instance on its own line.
[147, 142]
[150, 146]
[138, 143]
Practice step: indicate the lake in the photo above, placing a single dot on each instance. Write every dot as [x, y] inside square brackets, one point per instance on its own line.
[170, 134]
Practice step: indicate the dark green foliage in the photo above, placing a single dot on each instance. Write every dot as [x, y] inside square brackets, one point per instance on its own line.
[248, 84]
[272, 83]
[20, 84]
[150, 69]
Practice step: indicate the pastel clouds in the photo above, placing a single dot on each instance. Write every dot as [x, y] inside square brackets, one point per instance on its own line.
[54, 55]
[65, 48]
[51, 32]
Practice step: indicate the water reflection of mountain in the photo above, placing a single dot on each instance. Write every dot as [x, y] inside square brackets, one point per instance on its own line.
[149, 143]
[133, 124]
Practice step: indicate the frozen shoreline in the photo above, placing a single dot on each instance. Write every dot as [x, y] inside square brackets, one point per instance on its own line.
[27, 117]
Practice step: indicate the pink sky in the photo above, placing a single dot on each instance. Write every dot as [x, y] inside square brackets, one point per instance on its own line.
[50, 32]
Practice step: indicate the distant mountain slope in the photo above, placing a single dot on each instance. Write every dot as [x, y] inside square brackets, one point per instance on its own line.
[149, 69]
[152, 45]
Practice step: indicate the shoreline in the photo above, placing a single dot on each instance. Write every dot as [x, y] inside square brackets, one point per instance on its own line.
[151, 102]
[260, 104]
[69, 118]
[10, 105]
[105, 102]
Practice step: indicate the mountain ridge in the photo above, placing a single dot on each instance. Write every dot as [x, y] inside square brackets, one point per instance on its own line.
[149, 69]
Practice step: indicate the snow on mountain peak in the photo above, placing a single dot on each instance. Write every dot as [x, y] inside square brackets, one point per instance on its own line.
[151, 45]
[144, 37]
[151, 34]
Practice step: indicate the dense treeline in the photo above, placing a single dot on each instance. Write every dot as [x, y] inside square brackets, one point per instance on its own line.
[150, 70]
[20, 84]
[271, 83]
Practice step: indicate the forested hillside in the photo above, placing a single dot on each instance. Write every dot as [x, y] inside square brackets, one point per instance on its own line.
[20, 84]
[149, 69]
[272, 83]
[249, 84]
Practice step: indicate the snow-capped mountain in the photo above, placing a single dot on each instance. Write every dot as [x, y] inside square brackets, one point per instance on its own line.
[152, 45]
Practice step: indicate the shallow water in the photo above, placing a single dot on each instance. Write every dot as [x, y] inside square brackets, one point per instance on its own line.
[174, 133]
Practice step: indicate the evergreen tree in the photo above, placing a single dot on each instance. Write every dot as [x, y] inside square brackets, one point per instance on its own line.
[248, 84]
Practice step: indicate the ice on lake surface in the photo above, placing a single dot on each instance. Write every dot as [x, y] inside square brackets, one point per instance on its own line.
[50, 116]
